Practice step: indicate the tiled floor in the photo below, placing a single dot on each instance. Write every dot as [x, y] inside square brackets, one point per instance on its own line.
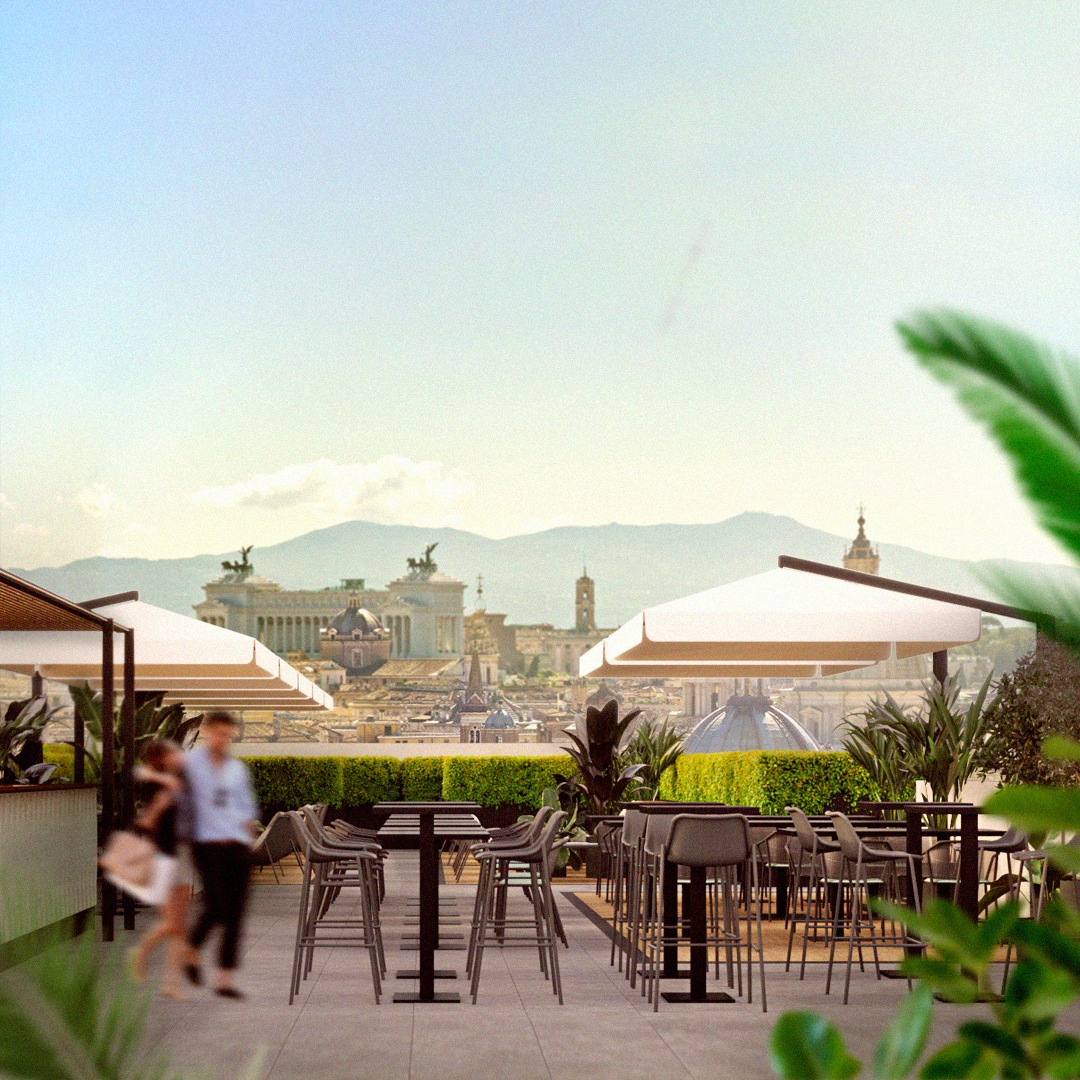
[517, 1030]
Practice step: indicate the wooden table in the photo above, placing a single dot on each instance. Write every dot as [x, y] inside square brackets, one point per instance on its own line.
[423, 825]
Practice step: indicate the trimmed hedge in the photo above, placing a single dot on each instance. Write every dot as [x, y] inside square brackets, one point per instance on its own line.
[422, 778]
[63, 757]
[770, 779]
[295, 781]
[500, 781]
[369, 780]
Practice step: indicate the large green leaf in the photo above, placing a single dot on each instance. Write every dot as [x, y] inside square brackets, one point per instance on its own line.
[1036, 809]
[1028, 396]
[805, 1046]
[895, 1055]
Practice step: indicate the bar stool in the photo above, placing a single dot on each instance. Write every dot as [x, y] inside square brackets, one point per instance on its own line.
[329, 868]
[717, 843]
[626, 892]
[496, 861]
[816, 909]
[859, 869]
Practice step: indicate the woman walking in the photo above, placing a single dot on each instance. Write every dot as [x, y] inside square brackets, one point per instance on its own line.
[161, 790]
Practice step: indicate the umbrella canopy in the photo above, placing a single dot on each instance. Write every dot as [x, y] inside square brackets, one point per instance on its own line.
[191, 661]
[785, 622]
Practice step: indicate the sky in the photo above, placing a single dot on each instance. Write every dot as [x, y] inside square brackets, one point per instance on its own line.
[268, 267]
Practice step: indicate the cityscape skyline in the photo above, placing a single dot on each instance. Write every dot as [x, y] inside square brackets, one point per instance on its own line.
[271, 270]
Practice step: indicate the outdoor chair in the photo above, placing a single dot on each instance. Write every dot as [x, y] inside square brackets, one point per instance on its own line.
[326, 868]
[273, 844]
[720, 845]
[810, 885]
[538, 931]
[626, 897]
[332, 839]
[608, 835]
[864, 872]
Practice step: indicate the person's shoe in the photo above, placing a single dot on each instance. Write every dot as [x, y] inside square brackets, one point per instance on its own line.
[194, 974]
[230, 992]
[173, 992]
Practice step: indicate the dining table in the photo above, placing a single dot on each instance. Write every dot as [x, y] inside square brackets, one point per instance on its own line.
[423, 826]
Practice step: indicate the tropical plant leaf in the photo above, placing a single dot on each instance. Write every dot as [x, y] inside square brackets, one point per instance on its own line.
[805, 1046]
[903, 1041]
[1037, 809]
[1027, 395]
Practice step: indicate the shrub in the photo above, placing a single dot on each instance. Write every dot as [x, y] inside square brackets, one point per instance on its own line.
[422, 779]
[770, 779]
[296, 781]
[369, 780]
[63, 757]
[498, 781]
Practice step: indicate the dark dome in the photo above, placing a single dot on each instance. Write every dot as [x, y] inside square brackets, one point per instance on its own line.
[355, 620]
[500, 718]
[748, 722]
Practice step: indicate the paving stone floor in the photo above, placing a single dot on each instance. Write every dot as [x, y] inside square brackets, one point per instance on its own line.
[518, 1030]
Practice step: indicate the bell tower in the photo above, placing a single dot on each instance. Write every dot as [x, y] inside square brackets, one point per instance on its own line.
[585, 603]
[862, 555]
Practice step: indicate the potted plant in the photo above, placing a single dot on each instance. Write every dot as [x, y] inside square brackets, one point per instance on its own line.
[601, 779]
[23, 723]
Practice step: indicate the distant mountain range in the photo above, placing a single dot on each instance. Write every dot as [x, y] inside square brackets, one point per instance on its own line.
[529, 577]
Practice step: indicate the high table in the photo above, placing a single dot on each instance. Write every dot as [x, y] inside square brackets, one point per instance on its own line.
[694, 909]
[424, 825]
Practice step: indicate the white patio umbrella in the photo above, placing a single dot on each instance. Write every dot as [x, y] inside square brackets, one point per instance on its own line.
[202, 665]
[785, 622]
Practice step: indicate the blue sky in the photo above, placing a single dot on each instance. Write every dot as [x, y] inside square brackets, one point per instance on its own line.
[271, 266]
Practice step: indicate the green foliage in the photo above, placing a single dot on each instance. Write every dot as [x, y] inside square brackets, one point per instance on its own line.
[62, 755]
[296, 781]
[656, 745]
[1019, 1040]
[422, 779]
[770, 779]
[22, 720]
[937, 743]
[1036, 700]
[152, 721]
[500, 781]
[570, 829]
[71, 1014]
[872, 747]
[601, 778]
[369, 780]
[805, 1046]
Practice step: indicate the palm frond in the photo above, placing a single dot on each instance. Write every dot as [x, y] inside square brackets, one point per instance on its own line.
[1026, 394]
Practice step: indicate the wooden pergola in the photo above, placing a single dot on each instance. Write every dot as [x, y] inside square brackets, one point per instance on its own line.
[26, 606]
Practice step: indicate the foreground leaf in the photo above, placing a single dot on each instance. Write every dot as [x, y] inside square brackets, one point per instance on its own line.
[895, 1055]
[805, 1046]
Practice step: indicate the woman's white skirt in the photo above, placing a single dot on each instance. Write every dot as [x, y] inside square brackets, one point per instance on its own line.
[156, 891]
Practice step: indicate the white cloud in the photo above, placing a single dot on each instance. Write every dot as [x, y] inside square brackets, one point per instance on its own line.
[394, 490]
[96, 499]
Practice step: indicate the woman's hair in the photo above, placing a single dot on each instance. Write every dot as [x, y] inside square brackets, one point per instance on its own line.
[156, 752]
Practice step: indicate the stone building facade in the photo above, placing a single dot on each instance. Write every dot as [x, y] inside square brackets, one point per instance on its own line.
[423, 610]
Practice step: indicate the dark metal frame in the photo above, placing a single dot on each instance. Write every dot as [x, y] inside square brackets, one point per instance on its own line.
[108, 628]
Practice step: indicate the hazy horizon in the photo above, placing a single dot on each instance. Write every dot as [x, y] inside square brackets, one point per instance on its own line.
[268, 270]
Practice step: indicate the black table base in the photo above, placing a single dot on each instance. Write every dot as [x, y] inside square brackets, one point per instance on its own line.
[684, 997]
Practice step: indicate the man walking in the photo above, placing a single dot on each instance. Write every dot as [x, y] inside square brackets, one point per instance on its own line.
[224, 822]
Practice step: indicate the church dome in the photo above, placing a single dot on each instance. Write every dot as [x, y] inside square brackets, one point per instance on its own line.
[355, 621]
[500, 718]
[748, 722]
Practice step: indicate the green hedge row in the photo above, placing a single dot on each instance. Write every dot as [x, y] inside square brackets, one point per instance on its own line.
[499, 781]
[364, 781]
[770, 779]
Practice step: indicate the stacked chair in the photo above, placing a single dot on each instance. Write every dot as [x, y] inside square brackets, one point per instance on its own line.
[334, 861]
[525, 856]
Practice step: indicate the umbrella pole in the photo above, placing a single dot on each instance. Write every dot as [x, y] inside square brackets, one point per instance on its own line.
[108, 774]
[127, 739]
[941, 665]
